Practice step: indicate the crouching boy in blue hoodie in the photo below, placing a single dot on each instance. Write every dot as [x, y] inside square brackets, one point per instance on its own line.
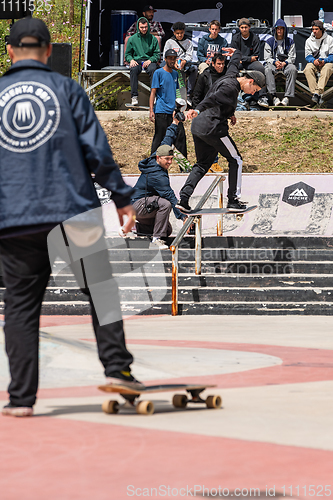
[154, 197]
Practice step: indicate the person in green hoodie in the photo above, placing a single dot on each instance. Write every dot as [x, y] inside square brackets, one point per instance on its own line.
[142, 53]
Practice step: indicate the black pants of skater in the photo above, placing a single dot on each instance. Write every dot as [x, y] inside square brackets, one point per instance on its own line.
[26, 272]
[206, 149]
[162, 122]
[134, 76]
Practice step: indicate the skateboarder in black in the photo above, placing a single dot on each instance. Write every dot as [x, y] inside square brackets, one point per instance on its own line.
[210, 130]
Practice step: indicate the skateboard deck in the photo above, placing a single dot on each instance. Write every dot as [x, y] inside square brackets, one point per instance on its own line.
[147, 407]
[217, 211]
[183, 163]
[308, 107]
[137, 107]
[181, 91]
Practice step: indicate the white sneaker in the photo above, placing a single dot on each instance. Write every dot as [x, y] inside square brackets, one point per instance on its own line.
[160, 243]
[285, 101]
[135, 100]
[263, 101]
[276, 101]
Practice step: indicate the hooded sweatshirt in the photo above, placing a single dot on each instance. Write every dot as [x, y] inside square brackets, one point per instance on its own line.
[208, 47]
[154, 180]
[142, 47]
[288, 46]
[184, 48]
[325, 43]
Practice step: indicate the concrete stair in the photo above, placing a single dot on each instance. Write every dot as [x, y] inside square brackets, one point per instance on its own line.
[281, 275]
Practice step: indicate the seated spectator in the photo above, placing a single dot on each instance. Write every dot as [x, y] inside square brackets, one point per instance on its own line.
[154, 26]
[154, 198]
[184, 48]
[207, 79]
[142, 53]
[209, 45]
[319, 56]
[162, 103]
[249, 45]
[280, 56]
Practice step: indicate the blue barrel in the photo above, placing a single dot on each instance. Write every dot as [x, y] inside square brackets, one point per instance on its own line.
[121, 20]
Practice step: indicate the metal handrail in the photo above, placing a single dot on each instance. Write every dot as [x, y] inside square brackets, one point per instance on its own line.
[217, 182]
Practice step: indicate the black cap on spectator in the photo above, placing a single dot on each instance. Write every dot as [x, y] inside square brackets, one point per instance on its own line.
[148, 7]
[29, 26]
[170, 53]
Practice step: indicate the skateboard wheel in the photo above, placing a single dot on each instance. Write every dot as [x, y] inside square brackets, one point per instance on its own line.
[214, 401]
[239, 217]
[145, 408]
[110, 406]
[179, 401]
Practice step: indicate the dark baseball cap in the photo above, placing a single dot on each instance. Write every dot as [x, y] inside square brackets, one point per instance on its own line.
[29, 26]
[164, 150]
[170, 53]
[148, 7]
[258, 77]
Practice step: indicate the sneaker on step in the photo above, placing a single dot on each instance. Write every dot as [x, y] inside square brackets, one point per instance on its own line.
[263, 102]
[160, 243]
[135, 100]
[183, 205]
[17, 411]
[276, 101]
[285, 101]
[236, 206]
[126, 379]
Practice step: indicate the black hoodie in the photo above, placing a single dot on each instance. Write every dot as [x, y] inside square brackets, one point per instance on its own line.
[220, 102]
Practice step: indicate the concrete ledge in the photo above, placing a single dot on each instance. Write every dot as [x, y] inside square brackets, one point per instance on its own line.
[105, 116]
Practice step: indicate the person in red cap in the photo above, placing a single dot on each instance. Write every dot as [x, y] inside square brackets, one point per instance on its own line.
[50, 143]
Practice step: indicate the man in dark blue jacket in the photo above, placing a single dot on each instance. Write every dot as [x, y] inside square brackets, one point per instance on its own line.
[51, 142]
[154, 197]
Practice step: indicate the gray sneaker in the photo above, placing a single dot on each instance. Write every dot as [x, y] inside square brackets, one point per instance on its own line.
[285, 101]
[135, 101]
[160, 243]
[263, 102]
[276, 101]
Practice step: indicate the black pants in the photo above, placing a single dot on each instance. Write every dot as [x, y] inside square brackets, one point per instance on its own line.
[206, 149]
[134, 76]
[26, 271]
[162, 122]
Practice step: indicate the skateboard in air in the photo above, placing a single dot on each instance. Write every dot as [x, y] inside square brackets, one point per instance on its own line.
[217, 211]
[147, 407]
[136, 107]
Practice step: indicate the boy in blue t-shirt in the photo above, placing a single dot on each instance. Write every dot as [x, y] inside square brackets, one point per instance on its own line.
[163, 88]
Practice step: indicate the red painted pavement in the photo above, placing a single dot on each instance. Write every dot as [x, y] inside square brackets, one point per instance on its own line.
[48, 459]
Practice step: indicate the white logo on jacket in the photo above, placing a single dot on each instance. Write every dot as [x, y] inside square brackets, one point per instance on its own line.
[29, 116]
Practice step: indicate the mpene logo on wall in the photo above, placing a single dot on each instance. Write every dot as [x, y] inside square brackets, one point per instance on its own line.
[298, 194]
[29, 116]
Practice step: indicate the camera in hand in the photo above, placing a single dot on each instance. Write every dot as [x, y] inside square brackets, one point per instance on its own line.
[179, 115]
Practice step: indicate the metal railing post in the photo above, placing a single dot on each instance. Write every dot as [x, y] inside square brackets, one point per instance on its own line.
[175, 244]
[174, 292]
[220, 217]
[198, 232]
